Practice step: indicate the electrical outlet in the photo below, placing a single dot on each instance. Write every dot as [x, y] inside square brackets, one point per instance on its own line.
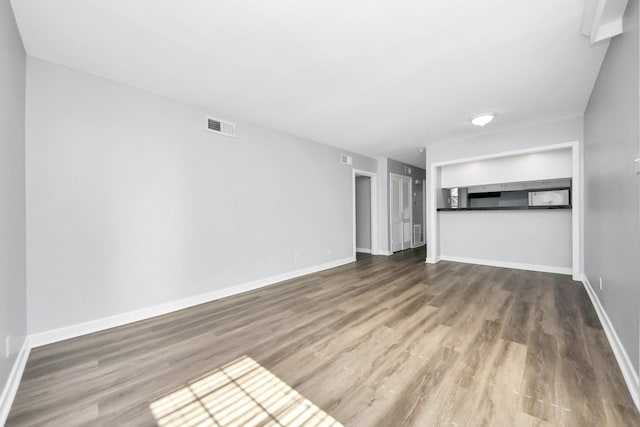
[328, 251]
[601, 283]
[295, 257]
[7, 346]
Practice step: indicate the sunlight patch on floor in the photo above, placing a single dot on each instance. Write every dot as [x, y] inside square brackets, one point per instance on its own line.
[241, 393]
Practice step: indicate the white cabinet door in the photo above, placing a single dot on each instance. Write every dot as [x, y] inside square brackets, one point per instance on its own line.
[514, 186]
[534, 185]
[493, 188]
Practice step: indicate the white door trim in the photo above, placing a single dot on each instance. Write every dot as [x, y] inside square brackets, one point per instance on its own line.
[576, 201]
[424, 210]
[374, 208]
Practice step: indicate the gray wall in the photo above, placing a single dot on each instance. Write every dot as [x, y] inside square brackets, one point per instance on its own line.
[363, 212]
[383, 206]
[487, 142]
[398, 168]
[541, 237]
[612, 214]
[496, 142]
[13, 316]
[132, 203]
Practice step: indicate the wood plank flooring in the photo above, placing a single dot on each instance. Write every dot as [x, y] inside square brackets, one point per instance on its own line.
[385, 341]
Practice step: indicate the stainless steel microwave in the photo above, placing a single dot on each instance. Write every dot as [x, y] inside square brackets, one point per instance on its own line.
[549, 198]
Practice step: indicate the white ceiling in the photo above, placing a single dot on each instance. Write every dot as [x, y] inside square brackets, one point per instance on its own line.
[381, 78]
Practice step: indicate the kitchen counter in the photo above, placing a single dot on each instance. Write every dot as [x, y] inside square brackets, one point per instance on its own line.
[505, 208]
[530, 237]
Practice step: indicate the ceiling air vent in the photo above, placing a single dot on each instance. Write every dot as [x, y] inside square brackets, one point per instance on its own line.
[345, 159]
[221, 127]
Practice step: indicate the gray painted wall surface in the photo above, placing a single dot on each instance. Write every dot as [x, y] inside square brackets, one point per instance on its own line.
[363, 212]
[13, 317]
[383, 205]
[132, 203]
[489, 143]
[398, 168]
[612, 214]
[531, 237]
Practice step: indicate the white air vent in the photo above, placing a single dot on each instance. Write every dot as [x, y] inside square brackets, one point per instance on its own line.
[345, 159]
[221, 127]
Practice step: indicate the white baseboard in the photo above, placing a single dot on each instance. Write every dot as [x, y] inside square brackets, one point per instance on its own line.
[385, 253]
[67, 332]
[417, 245]
[506, 264]
[628, 372]
[11, 387]
[363, 250]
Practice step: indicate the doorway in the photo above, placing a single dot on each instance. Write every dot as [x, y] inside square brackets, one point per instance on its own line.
[424, 213]
[400, 212]
[365, 212]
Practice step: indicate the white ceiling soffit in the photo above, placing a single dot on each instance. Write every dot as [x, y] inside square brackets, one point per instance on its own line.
[376, 77]
[602, 19]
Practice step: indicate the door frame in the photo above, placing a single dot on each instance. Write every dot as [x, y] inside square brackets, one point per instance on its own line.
[397, 175]
[424, 211]
[374, 208]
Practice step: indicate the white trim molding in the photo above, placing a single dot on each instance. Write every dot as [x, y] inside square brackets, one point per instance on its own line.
[13, 382]
[73, 331]
[602, 19]
[374, 209]
[432, 205]
[385, 253]
[628, 372]
[506, 264]
[576, 210]
[433, 248]
[363, 250]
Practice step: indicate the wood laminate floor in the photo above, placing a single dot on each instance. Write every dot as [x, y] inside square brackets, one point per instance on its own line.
[386, 341]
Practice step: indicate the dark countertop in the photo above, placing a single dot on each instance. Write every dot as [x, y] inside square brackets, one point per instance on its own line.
[506, 208]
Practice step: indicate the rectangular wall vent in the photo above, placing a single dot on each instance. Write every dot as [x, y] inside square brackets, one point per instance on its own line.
[347, 160]
[222, 127]
[417, 234]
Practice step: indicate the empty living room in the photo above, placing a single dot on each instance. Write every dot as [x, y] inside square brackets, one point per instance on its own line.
[319, 213]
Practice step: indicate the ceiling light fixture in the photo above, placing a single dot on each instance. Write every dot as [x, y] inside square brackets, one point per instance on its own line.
[482, 119]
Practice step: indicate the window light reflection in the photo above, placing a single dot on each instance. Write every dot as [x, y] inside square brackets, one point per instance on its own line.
[241, 393]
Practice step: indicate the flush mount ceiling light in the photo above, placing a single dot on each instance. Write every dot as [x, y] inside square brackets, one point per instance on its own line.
[482, 119]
